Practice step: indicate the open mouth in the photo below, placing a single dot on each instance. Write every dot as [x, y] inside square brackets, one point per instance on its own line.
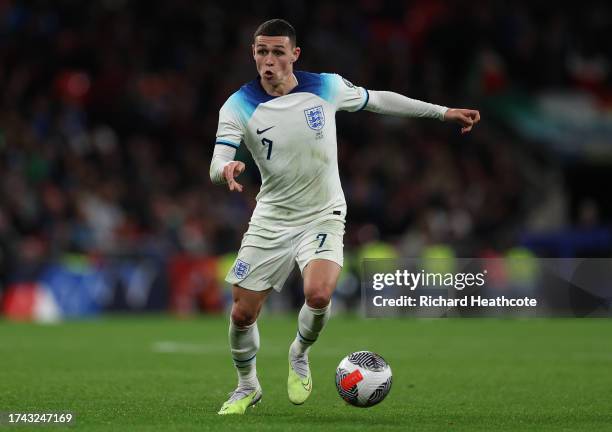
[268, 74]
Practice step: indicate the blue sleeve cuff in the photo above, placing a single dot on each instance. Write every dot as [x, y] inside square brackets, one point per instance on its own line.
[367, 99]
[227, 143]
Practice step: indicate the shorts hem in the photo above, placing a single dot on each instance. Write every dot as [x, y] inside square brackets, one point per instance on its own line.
[337, 261]
[249, 286]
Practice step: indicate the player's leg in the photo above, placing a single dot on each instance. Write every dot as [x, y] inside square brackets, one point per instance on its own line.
[321, 260]
[244, 343]
[244, 334]
[264, 262]
[320, 279]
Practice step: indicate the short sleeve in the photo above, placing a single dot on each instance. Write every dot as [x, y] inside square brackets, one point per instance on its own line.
[347, 96]
[230, 131]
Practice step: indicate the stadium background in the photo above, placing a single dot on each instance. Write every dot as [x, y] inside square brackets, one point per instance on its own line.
[108, 112]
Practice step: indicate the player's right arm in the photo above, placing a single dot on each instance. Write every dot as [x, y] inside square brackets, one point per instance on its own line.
[223, 168]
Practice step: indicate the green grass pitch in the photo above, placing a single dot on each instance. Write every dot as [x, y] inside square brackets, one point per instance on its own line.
[162, 373]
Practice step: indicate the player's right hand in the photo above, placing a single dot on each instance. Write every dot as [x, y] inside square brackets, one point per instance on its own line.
[231, 170]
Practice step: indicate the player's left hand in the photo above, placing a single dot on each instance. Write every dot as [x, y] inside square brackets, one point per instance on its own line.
[467, 118]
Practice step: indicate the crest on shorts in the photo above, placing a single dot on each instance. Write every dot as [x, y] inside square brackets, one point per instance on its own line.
[241, 269]
[315, 117]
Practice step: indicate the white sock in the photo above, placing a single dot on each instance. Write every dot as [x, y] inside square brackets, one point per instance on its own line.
[244, 343]
[310, 323]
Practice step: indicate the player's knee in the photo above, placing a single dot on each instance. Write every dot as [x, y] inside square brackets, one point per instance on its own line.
[243, 317]
[318, 299]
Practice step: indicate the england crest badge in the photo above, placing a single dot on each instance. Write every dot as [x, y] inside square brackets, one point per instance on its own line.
[315, 117]
[241, 269]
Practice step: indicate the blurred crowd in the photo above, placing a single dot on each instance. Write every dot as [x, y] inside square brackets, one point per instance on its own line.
[108, 112]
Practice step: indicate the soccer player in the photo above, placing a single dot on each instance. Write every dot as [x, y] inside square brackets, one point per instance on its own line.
[286, 119]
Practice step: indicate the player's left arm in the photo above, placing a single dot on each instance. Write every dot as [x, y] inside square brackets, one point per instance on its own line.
[386, 102]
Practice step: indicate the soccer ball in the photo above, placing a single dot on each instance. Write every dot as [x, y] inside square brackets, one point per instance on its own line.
[363, 378]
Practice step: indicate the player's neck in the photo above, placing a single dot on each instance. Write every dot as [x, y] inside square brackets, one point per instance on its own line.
[281, 88]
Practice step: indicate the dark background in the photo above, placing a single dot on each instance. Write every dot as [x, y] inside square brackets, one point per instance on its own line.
[108, 112]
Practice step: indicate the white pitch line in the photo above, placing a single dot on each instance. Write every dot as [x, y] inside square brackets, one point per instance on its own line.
[186, 348]
[175, 347]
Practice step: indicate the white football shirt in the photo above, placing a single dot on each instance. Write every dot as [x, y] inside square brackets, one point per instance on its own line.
[292, 139]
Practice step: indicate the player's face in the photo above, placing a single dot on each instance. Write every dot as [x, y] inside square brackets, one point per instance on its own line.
[274, 57]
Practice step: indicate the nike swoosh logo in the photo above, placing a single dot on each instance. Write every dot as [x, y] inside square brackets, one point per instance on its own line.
[324, 250]
[307, 385]
[259, 132]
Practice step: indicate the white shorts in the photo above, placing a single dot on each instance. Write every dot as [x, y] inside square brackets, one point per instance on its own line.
[266, 257]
